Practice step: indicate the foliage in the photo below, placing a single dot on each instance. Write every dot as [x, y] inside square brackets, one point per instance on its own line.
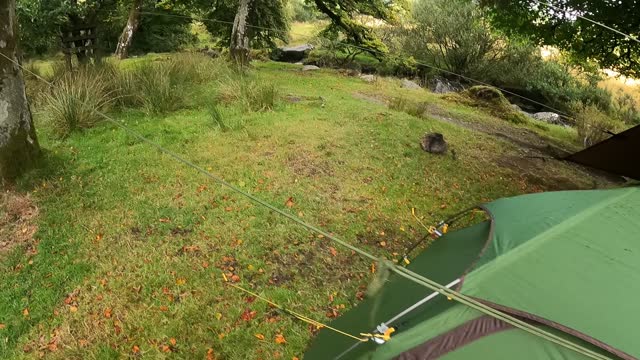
[452, 35]
[267, 18]
[593, 125]
[76, 98]
[349, 17]
[584, 39]
[40, 22]
[626, 108]
[398, 66]
[302, 11]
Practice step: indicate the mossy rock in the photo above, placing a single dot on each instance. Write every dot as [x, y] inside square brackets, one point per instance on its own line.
[493, 100]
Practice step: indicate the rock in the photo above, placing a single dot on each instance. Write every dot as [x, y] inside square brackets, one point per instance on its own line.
[310, 68]
[444, 86]
[212, 53]
[368, 78]
[292, 54]
[408, 84]
[549, 117]
[434, 143]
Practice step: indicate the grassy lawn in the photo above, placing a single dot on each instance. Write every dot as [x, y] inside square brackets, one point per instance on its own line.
[131, 245]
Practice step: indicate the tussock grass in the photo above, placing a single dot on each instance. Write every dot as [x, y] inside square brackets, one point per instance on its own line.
[73, 102]
[250, 94]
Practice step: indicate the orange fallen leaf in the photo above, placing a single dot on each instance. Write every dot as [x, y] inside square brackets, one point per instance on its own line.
[373, 268]
[210, 355]
[280, 339]
[259, 336]
[98, 237]
[135, 349]
[172, 341]
[248, 315]
[289, 203]
[52, 347]
[164, 308]
[73, 309]
[83, 342]
[165, 220]
[235, 278]
[205, 264]
[25, 312]
[2, 326]
[165, 348]
[107, 312]
[333, 251]
[295, 358]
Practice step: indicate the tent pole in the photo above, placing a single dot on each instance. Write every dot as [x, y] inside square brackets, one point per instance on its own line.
[405, 312]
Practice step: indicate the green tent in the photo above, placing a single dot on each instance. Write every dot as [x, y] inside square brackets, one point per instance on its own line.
[567, 262]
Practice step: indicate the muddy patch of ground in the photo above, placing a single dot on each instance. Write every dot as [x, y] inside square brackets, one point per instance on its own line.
[18, 215]
[308, 164]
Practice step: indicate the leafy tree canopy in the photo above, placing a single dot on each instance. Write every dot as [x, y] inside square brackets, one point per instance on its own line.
[559, 25]
[344, 16]
[267, 18]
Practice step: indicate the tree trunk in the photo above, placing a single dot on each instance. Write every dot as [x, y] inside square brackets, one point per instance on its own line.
[126, 38]
[18, 143]
[239, 37]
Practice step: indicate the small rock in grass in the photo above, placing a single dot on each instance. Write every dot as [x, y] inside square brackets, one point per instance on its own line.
[411, 85]
[310, 68]
[434, 143]
[368, 78]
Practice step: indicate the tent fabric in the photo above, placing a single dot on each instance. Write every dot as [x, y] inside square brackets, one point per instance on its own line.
[567, 259]
[614, 155]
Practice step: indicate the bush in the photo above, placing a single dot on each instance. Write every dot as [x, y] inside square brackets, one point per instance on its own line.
[593, 125]
[398, 66]
[75, 99]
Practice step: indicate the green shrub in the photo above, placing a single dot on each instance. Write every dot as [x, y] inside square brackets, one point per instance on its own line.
[158, 89]
[593, 125]
[73, 102]
[398, 66]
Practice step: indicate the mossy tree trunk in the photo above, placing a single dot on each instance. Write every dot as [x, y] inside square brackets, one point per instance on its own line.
[18, 143]
[126, 38]
[239, 36]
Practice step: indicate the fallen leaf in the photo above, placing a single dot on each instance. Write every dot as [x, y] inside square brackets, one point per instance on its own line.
[218, 316]
[99, 237]
[259, 336]
[164, 308]
[382, 243]
[295, 358]
[210, 355]
[443, 206]
[172, 341]
[83, 342]
[333, 251]
[107, 312]
[205, 264]
[52, 347]
[25, 312]
[166, 348]
[164, 220]
[73, 309]
[373, 268]
[181, 281]
[135, 349]
[248, 315]
[289, 203]
[2, 326]
[280, 339]
[235, 278]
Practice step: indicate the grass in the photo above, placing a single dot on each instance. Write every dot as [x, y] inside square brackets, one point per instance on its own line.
[131, 244]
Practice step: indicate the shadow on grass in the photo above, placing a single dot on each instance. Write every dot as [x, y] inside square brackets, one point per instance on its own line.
[37, 276]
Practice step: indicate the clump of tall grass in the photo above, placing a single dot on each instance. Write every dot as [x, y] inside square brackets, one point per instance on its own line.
[75, 99]
[249, 93]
